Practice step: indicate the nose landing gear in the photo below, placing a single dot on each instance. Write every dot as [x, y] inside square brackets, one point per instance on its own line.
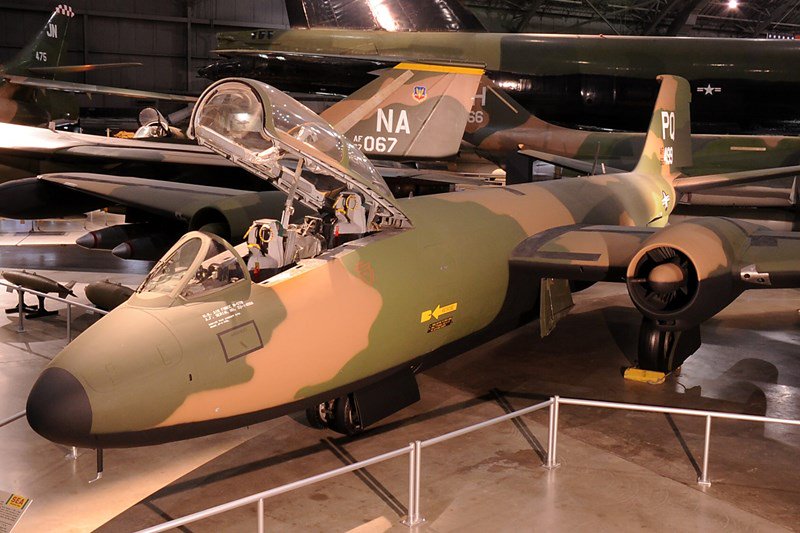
[339, 414]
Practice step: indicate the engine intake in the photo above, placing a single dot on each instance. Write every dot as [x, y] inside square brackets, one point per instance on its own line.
[685, 274]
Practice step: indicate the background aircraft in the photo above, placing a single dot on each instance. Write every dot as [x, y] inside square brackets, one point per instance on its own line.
[345, 324]
[29, 94]
[215, 194]
[499, 127]
[576, 80]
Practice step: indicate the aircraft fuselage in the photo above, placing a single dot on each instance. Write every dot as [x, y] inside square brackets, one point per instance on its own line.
[326, 326]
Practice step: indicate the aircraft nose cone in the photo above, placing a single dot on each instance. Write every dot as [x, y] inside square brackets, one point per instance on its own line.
[58, 408]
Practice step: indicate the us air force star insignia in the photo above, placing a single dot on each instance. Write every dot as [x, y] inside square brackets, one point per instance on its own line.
[708, 90]
[665, 199]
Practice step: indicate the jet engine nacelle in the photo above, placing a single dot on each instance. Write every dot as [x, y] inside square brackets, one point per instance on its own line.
[686, 273]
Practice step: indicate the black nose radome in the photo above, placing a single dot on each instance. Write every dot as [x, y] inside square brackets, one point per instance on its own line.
[58, 408]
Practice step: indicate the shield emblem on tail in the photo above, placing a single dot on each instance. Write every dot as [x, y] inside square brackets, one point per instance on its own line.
[420, 93]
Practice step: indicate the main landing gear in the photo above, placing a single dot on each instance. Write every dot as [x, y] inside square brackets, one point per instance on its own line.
[663, 350]
[339, 414]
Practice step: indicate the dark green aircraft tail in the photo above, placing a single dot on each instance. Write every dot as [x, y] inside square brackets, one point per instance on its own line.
[668, 145]
[46, 50]
[493, 110]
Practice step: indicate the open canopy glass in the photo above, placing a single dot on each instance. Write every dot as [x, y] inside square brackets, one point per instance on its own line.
[270, 134]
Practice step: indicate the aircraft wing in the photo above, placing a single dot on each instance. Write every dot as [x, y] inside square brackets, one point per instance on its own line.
[581, 252]
[761, 258]
[71, 87]
[388, 59]
[17, 139]
[169, 199]
[577, 165]
[440, 176]
[773, 258]
[69, 69]
[700, 183]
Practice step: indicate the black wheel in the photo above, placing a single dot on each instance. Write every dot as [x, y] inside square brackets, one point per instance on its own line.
[665, 351]
[319, 416]
[654, 347]
[345, 418]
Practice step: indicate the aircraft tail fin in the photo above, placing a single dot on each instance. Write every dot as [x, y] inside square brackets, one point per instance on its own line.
[390, 15]
[668, 145]
[47, 49]
[412, 110]
[493, 110]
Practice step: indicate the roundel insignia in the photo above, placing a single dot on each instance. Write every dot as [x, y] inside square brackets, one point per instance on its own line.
[420, 93]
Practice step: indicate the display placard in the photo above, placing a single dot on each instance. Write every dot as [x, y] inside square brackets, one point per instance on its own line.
[11, 509]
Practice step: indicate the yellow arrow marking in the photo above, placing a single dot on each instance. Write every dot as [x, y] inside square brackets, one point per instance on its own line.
[439, 311]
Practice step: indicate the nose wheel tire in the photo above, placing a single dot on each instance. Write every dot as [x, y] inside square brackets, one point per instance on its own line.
[345, 416]
[320, 416]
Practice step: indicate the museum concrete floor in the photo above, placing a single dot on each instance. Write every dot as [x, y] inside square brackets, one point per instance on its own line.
[619, 471]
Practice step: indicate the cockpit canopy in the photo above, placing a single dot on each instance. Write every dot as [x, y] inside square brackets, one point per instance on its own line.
[269, 133]
[196, 266]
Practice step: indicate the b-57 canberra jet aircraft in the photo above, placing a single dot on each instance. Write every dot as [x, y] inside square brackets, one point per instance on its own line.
[336, 314]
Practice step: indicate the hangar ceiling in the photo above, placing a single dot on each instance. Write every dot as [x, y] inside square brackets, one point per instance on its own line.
[752, 18]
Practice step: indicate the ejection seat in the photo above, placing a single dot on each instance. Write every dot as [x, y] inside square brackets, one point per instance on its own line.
[274, 248]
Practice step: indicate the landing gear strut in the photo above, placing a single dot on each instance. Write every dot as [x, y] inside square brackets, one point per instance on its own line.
[663, 350]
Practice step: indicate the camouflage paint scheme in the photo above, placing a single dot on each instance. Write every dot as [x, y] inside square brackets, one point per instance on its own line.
[157, 369]
[538, 54]
[499, 126]
[503, 130]
[577, 80]
[424, 109]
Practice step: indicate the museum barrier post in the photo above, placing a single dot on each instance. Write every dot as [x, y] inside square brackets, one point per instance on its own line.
[69, 324]
[70, 304]
[11, 418]
[704, 481]
[552, 435]
[414, 467]
[21, 312]
[414, 452]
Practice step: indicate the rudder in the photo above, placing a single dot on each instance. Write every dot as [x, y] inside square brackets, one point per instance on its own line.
[668, 145]
[47, 49]
[412, 110]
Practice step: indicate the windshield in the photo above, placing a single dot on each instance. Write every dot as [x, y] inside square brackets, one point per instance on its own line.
[168, 273]
[219, 268]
